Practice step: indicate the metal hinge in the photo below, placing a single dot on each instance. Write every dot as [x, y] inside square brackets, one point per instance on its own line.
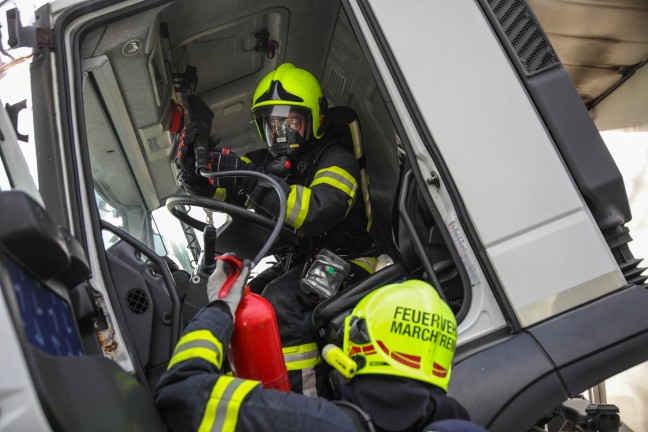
[26, 37]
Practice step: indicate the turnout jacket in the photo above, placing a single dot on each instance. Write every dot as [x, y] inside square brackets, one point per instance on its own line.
[193, 394]
[325, 202]
[324, 197]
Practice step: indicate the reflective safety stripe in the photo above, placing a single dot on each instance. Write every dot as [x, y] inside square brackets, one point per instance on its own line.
[364, 179]
[245, 159]
[309, 382]
[356, 136]
[354, 127]
[221, 412]
[200, 344]
[297, 205]
[338, 178]
[301, 356]
[220, 194]
[367, 263]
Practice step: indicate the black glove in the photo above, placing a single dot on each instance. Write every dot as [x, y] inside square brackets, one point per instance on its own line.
[192, 183]
[225, 160]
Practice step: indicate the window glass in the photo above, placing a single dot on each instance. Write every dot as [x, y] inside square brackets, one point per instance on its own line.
[159, 230]
[110, 215]
[181, 245]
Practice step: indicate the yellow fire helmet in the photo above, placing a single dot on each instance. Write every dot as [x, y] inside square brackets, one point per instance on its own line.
[286, 94]
[404, 330]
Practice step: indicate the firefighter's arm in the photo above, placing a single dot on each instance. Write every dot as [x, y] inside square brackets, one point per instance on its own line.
[193, 394]
[195, 368]
[182, 393]
[273, 410]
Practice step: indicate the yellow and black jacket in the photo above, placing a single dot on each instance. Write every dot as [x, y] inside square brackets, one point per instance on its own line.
[325, 202]
[194, 394]
[324, 198]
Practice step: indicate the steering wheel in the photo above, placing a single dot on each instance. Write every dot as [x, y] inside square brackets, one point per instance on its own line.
[245, 233]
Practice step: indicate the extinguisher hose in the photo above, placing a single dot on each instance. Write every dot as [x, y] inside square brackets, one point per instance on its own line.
[274, 235]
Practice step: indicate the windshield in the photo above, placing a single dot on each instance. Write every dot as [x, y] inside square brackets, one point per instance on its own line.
[159, 230]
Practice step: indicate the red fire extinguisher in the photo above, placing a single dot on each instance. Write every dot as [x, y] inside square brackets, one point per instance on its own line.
[255, 349]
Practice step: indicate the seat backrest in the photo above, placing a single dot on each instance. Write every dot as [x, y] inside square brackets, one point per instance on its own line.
[343, 124]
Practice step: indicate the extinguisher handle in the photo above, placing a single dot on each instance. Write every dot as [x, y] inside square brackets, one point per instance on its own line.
[235, 266]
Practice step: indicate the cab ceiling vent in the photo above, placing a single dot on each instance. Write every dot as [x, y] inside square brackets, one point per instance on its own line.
[138, 301]
[336, 82]
[527, 39]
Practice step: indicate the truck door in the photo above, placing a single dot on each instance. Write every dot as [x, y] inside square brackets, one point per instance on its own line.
[532, 192]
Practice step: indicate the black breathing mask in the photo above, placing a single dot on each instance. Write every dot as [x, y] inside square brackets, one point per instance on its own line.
[285, 129]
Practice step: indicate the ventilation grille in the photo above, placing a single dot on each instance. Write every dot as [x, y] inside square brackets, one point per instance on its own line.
[138, 301]
[633, 273]
[618, 240]
[533, 50]
[336, 82]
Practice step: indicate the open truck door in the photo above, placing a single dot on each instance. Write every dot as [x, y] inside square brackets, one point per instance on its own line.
[536, 193]
[57, 372]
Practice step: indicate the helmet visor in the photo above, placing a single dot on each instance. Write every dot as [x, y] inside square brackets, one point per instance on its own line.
[284, 128]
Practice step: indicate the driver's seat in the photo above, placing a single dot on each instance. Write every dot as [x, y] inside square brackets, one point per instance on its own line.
[344, 124]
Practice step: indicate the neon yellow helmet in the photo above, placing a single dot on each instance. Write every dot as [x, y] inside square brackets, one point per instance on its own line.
[403, 330]
[286, 96]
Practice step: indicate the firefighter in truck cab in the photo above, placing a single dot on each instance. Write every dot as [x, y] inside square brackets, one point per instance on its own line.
[327, 200]
[393, 368]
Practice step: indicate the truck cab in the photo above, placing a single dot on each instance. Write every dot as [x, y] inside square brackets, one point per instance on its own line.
[486, 176]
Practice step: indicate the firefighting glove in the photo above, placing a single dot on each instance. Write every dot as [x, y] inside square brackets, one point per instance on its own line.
[192, 182]
[226, 160]
[227, 282]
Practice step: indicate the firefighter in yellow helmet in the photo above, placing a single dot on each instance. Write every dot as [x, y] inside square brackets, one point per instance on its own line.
[402, 337]
[398, 347]
[322, 180]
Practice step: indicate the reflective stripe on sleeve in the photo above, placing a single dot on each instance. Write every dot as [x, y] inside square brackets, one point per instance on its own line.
[221, 412]
[200, 344]
[301, 356]
[297, 205]
[338, 178]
